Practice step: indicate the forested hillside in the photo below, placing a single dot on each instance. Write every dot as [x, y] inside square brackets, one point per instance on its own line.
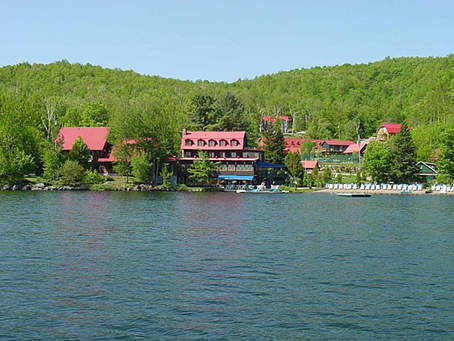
[326, 102]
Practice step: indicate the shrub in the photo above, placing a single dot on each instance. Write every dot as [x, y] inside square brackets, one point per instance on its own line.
[92, 177]
[71, 173]
[141, 167]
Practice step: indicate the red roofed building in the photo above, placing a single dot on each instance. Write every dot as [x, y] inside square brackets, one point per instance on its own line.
[309, 165]
[94, 137]
[355, 148]
[293, 144]
[228, 147]
[334, 146]
[386, 130]
[285, 120]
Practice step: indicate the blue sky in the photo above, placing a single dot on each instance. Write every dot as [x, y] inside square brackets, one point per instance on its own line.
[222, 40]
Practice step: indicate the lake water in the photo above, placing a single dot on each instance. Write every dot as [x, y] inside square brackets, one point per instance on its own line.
[225, 266]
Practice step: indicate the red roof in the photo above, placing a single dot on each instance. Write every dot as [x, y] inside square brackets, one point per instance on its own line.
[272, 118]
[94, 137]
[293, 144]
[355, 148]
[109, 158]
[392, 128]
[309, 164]
[217, 138]
[338, 142]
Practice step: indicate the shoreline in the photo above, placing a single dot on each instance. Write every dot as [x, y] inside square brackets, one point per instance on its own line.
[381, 192]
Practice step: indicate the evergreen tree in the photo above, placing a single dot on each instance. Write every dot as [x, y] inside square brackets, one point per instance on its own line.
[274, 143]
[230, 113]
[202, 114]
[293, 164]
[203, 169]
[404, 168]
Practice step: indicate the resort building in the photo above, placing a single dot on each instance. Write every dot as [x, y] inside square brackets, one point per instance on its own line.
[356, 148]
[309, 165]
[386, 130]
[334, 146]
[96, 140]
[427, 171]
[237, 161]
[293, 144]
[266, 120]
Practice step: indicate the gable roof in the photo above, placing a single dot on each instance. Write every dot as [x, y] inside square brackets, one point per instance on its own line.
[216, 136]
[309, 164]
[355, 148]
[392, 128]
[94, 137]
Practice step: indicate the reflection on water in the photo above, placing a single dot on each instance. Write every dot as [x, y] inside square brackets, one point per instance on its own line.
[225, 266]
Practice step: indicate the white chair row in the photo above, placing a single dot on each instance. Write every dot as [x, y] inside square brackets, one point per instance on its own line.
[383, 187]
[442, 188]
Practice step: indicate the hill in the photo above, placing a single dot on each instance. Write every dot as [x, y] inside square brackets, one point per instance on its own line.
[326, 102]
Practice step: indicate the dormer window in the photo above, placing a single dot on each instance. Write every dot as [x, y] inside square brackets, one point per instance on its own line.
[200, 143]
[222, 143]
[234, 143]
[188, 142]
[211, 143]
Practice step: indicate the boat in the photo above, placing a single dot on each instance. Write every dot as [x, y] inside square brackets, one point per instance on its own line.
[354, 195]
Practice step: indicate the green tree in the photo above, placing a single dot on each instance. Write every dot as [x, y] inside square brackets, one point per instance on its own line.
[52, 162]
[141, 167]
[166, 175]
[377, 161]
[80, 153]
[71, 173]
[229, 112]
[274, 143]
[325, 177]
[294, 166]
[307, 148]
[94, 115]
[123, 168]
[445, 164]
[404, 168]
[203, 169]
[202, 113]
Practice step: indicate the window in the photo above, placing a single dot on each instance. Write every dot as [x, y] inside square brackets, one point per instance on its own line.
[223, 143]
[212, 154]
[187, 154]
[223, 154]
[233, 154]
[188, 142]
[200, 143]
[212, 143]
[234, 143]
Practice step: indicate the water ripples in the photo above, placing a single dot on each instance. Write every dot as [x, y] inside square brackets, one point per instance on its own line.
[197, 266]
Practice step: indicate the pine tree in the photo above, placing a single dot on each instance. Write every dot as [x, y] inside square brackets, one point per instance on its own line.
[403, 154]
[274, 143]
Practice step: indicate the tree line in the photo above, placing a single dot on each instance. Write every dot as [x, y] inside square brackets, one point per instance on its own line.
[326, 102]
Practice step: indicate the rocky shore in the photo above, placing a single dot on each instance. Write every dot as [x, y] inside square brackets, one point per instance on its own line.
[43, 187]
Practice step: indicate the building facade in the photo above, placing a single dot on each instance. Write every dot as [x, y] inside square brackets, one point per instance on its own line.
[229, 148]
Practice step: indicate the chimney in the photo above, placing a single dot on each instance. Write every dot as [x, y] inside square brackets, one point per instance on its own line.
[184, 131]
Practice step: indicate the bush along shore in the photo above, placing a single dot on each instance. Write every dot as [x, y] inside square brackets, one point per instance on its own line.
[40, 186]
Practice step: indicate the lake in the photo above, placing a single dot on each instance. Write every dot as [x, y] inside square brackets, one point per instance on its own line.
[225, 266]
